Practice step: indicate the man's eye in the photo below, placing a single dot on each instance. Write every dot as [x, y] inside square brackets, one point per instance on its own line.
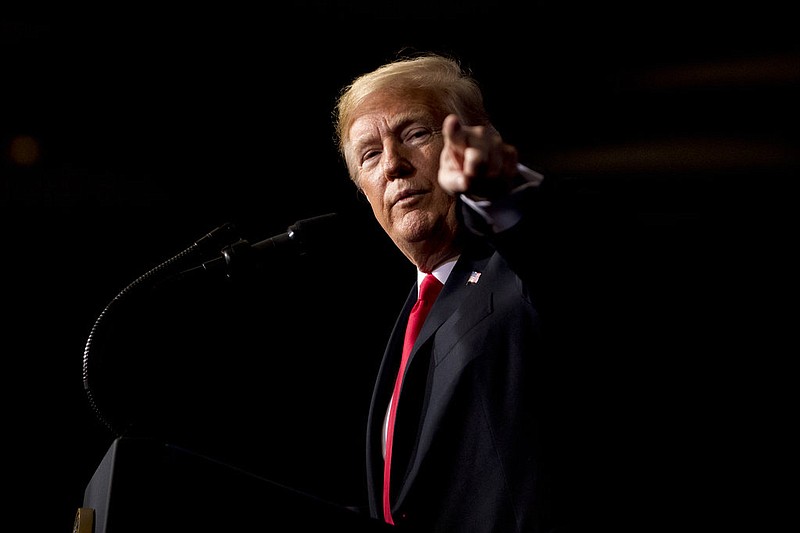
[418, 134]
[370, 155]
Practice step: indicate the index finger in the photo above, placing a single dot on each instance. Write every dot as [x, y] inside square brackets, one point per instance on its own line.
[453, 132]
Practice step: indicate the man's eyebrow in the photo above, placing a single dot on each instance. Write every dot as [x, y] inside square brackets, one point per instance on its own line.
[361, 141]
[407, 120]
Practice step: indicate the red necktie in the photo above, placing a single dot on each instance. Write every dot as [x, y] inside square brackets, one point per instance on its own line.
[429, 290]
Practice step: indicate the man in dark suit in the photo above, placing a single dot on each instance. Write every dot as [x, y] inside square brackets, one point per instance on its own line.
[471, 445]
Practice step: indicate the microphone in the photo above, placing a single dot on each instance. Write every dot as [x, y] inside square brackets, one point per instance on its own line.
[301, 238]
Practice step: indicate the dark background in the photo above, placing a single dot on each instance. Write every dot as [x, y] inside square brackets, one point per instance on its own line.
[128, 133]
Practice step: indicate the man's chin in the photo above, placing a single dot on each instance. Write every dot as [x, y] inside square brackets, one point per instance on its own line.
[413, 225]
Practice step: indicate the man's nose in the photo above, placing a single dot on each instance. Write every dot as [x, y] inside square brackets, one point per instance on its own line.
[395, 162]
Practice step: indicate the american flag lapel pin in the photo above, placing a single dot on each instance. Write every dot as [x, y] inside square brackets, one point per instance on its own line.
[474, 277]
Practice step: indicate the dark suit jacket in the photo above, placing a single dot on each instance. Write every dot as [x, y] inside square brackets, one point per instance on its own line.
[468, 453]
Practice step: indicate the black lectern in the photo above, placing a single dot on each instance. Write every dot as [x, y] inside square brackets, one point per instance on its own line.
[149, 485]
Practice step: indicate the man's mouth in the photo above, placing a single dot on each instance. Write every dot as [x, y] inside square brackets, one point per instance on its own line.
[407, 195]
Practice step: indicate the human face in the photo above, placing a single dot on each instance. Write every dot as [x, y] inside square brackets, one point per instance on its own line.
[393, 151]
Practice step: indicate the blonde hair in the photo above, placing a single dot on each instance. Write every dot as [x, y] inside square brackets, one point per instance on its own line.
[451, 85]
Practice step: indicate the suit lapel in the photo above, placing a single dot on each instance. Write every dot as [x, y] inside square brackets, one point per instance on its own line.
[456, 297]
